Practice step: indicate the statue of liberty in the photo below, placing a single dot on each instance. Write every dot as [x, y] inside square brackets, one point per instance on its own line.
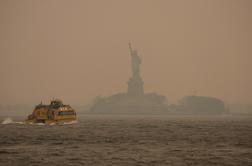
[135, 62]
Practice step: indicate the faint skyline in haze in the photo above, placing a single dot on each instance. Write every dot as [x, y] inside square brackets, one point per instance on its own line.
[76, 50]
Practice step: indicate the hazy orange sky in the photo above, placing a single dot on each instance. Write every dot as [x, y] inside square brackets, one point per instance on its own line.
[78, 49]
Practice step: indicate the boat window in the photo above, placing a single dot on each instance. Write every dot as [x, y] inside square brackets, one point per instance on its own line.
[66, 113]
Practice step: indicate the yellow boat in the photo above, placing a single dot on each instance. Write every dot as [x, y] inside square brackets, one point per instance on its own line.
[55, 113]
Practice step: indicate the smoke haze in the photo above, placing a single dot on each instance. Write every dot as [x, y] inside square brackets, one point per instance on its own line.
[76, 50]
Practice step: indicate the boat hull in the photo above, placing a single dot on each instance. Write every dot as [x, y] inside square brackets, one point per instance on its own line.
[50, 122]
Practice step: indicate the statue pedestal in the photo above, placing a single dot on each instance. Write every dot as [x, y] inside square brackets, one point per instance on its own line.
[135, 87]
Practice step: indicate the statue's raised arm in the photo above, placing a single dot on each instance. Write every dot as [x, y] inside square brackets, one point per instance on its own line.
[131, 51]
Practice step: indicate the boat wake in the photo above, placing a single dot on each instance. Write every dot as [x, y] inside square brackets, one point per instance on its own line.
[7, 121]
[10, 121]
[71, 122]
[64, 123]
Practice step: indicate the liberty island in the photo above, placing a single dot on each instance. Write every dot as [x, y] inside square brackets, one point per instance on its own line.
[136, 101]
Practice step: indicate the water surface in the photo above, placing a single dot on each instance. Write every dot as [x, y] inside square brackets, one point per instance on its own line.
[130, 140]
